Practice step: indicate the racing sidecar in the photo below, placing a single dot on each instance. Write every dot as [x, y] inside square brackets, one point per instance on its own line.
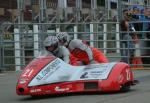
[50, 75]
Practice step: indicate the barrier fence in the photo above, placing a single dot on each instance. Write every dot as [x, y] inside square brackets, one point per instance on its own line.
[23, 43]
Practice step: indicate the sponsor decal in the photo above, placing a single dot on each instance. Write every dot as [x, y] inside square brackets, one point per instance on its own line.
[96, 74]
[50, 69]
[35, 90]
[27, 72]
[23, 80]
[96, 66]
[84, 75]
[58, 89]
[92, 66]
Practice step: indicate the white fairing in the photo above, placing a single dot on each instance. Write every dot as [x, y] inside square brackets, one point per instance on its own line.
[59, 71]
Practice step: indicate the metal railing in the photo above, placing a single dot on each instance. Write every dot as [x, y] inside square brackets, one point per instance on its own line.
[21, 46]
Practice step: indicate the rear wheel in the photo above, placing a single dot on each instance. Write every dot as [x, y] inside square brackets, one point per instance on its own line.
[125, 87]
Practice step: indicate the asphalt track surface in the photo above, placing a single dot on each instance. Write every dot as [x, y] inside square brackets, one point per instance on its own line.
[139, 93]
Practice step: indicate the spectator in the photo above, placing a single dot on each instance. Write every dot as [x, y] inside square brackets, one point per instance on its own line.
[127, 43]
[145, 19]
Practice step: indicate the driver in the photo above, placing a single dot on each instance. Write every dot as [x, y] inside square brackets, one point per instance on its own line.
[51, 45]
[83, 52]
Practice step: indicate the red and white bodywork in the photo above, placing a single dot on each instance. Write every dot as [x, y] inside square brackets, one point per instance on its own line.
[51, 75]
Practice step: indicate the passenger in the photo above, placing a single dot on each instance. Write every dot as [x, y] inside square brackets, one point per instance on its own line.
[83, 52]
[51, 44]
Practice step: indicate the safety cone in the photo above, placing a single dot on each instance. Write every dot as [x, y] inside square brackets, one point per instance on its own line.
[137, 61]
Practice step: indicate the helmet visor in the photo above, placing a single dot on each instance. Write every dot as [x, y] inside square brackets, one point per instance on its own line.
[63, 40]
[52, 47]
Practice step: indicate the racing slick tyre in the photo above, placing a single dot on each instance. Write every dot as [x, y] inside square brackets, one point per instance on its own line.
[125, 87]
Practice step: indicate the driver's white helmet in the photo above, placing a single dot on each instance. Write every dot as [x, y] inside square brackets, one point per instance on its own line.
[63, 37]
[51, 43]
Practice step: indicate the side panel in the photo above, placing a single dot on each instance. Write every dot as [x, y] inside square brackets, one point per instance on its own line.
[58, 71]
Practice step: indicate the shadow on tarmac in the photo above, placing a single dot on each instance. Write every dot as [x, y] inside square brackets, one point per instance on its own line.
[34, 98]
